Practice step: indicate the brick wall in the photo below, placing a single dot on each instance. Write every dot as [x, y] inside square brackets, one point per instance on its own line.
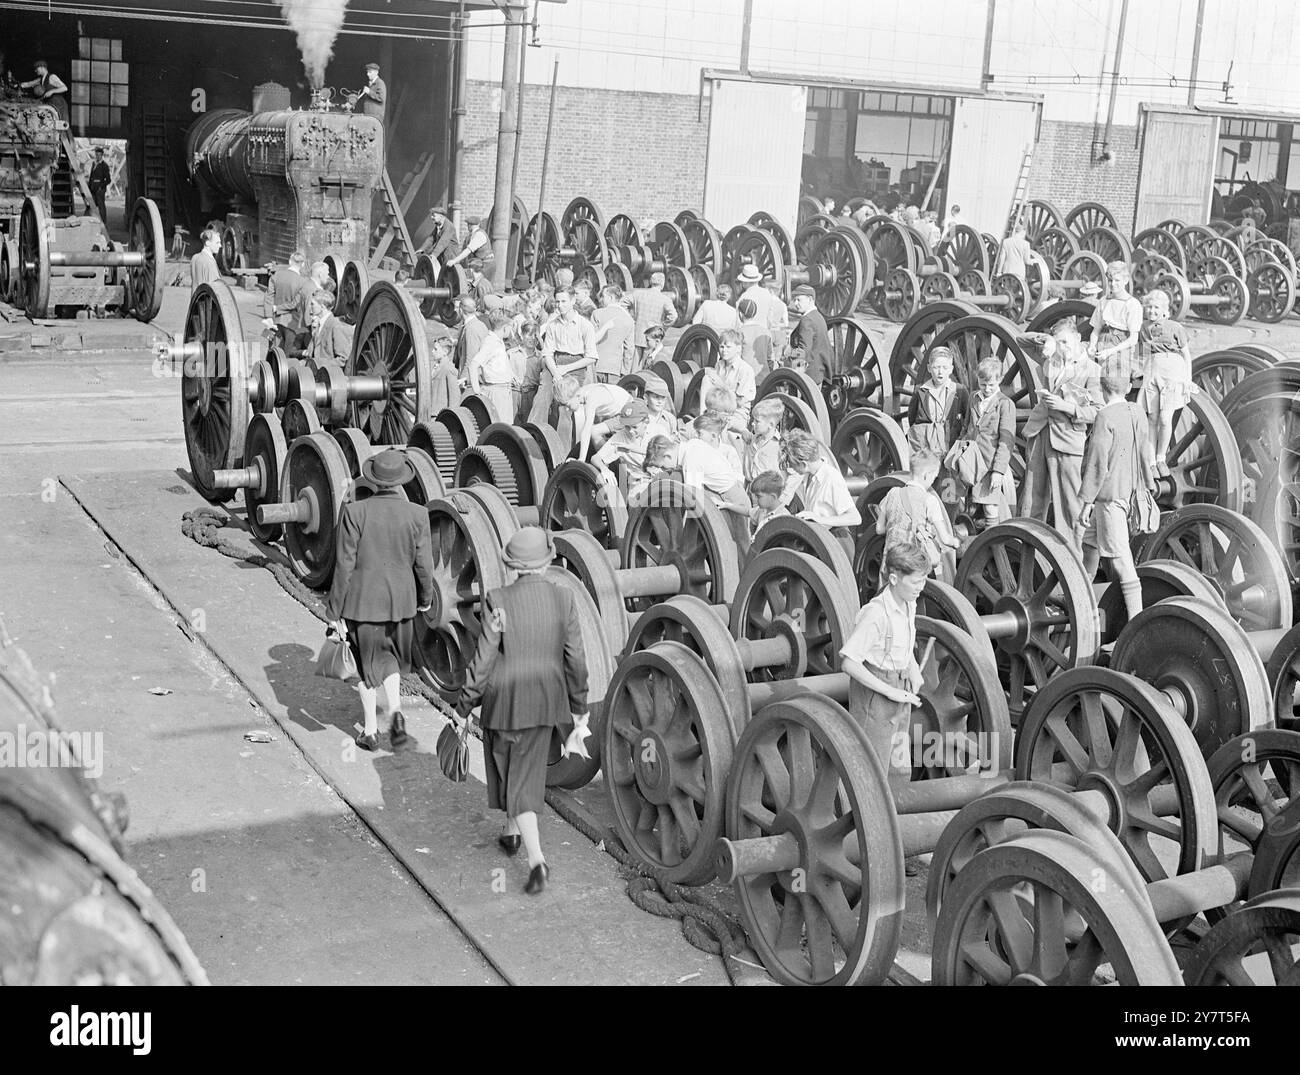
[636, 153]
[1064, 173]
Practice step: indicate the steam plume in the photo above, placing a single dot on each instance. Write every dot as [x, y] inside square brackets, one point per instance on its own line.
[317, 23]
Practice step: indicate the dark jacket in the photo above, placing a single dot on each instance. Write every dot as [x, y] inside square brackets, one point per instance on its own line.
[375, 100]
[385, 554]
[530, 670]
[921, 413]
[812, 335]
[1118, 457]
[994, 433]
[100, 178]
[285, 295]
[332, 346]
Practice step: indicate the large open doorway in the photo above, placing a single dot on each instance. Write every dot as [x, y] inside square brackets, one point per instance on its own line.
[886, 146]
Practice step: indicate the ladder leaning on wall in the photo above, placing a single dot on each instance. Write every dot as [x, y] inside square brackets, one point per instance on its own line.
[1022, 188]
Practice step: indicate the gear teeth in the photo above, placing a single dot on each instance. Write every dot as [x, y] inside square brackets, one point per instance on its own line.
[486, 463]
[444, 452]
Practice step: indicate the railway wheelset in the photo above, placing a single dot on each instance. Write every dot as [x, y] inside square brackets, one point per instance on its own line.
[50, 265]
[721, 732]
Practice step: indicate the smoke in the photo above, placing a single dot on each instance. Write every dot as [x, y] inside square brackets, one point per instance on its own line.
[317, 23]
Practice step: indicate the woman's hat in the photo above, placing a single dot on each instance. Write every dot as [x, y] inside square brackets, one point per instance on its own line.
[531, 548]
[750, 274]
[388, 469]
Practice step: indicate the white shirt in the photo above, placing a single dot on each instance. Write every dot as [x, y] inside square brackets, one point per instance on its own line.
[738, 378]
[605, 399]
[771, 310]
[884, 636]
[706, 468]
[825, 493]
[717, 315]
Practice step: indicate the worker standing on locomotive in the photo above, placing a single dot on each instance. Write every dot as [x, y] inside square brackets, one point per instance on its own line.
[373, 98]
[49, 88]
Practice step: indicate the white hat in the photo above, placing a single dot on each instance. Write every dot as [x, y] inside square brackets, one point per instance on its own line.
[750, 274]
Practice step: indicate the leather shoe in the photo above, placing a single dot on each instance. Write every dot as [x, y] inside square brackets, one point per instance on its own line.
[397, 730]
[368, 742]
[510, 844]
[537, 878]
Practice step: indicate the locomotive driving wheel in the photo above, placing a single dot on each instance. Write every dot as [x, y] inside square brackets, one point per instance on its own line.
[859, 374]
[145, 282]
[353, 285]
[913, 343]
[34, 231]
[214, 388]
[578, 498]
[391, 343]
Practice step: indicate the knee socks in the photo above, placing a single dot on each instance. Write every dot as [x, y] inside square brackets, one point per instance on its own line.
[368, 698]
[392, 694]
[1132, 591]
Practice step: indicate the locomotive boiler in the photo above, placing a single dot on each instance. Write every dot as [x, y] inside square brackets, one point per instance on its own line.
[29, 153]
[287, 180]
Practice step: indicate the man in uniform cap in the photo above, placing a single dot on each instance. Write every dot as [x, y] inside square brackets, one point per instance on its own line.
[99, 180]
[442, 242]
[811, 333]
[374, 95]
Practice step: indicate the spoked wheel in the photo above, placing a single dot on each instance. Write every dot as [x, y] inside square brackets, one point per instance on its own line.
[826, 907]
[1027, 912]
[1235, 555]
[1095, 729]
[466, 566]
[1161, 241]
[913, 343]
[1203, 662]
[670, 524]
[843, 275]
[1272, 293]
[1039, 216]
[1160, 580]
[622, 230]
[768, 223]
[577, 498]
[681, 286]
[859, 375]
[145, 283]
[867, 445]
[704, 242]
[353, 286]
[265, 452]
[391, 344]
[789, 595]
[670, 242]
[1256, 779]
[1107, 243]
[1089, 215]
[582, 209]
[1255, 945]
[1205, 463]
[1029, 577]
[963, 721]
[34, 231]
[802, 387]
[1217, 373]
[1265, 429]
[539, 249]
[800, 535]
[697, 343]
[869, 551]
[1057, 247]
[1077, 309]
[966, 250]
[214, 388]
[667, 752]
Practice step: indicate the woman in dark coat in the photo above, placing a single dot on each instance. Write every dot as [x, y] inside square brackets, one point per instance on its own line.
[530, 676]
[383, 575]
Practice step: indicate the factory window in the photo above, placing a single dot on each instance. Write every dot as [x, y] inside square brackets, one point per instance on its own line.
[1257, 161]
[99, 84]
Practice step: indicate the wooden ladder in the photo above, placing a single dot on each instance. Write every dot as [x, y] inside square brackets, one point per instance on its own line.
[1022, 188]
[155, 158]
[392, 220]
[76, 177]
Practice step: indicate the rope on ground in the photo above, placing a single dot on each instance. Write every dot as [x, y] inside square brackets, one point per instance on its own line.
[704, 924]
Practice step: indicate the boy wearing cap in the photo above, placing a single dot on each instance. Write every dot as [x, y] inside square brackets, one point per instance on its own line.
[479, 285]
[372, 100]
[811, 333]
[626, 445]
[662, 419]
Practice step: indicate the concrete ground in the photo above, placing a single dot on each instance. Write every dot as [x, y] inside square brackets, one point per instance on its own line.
[288, 862]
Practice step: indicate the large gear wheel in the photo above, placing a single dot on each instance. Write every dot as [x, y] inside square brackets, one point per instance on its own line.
[484, 463]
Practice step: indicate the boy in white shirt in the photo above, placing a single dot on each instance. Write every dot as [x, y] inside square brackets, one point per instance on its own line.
[762, 450]
[823, 492]
[491, 373]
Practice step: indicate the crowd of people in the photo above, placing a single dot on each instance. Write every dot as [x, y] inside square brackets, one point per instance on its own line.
[555, 353]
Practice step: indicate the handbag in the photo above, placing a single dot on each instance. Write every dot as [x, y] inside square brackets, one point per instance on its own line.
[1143, 511]
[965, 462]
[453, 751]
[335, 660]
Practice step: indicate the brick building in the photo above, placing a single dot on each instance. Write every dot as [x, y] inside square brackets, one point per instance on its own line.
[742, 104]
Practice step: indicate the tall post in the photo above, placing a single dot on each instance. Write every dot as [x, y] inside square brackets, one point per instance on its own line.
[744, 36]
[523, 69]
[546, 162]
[1196, 54]
[507, 135]
[458, 124]
[986, 73]
[1114, 75]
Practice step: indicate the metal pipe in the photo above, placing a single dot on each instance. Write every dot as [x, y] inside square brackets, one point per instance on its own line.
[986, 74]
[457, 125]
[507, 137]
[546, 158]
[519, 107]
[1196, 54]
[1114, 75]
[745, 28]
